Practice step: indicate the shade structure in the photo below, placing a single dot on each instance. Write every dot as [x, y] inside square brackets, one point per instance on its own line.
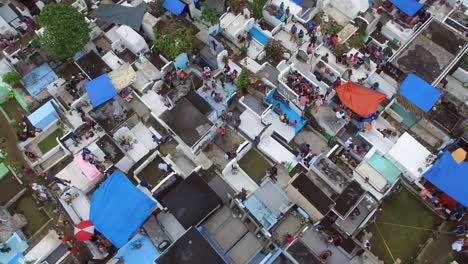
[360, 100]
[409, 7]
[174, 6]
[100, 90]
[450, 176]
[118, 208]
[84, 230]
[419, 92]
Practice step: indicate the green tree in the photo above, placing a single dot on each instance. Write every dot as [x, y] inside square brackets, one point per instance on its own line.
[175, 42]
[257, 7]
[65, 30]
[209, 15]
[11, 77]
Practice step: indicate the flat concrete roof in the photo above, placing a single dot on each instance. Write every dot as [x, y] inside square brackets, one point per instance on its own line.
[313, 194]
[93, 65]
[188, 118]
[430, 52]
[191, 248]
[348, 199]
[191, 200]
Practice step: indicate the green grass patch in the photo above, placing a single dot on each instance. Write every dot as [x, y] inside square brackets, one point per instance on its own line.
[404, 209]
[255, 165]
[14, 110]
[37, 218]
[50, 141]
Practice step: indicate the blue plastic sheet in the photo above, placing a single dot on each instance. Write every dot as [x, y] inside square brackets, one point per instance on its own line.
[174, 6]
[100, 90]
[419, 92]
[409, 7]
[118, 209]
[450, 177]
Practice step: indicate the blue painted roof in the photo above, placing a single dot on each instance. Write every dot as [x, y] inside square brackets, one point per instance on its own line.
[409, 7]
[419, 92]
[450, 177]
[259, 210]
[174, 6]
[133, 254]
[44, 115]
[17, 246]
[38, 79]
[100, 90]
[118, 209]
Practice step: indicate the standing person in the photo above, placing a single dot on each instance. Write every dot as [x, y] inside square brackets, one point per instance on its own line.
[318, 103]
[293, 32]
[163, 167]
[300, 36]
[324, 58]
[337, 82]
[53, 178]
[444, 82]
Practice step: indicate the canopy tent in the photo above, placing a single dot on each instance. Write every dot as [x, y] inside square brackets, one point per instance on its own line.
[122, 15]
[139, 250]
[44, 115]
[118, 209]
[450, 177]
[360, 100]
[37, 80]
[100, 90]
[174, 6]
[409, 7]
[419, 92]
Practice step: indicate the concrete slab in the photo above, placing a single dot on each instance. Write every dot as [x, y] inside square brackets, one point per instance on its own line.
[245, 249]
[315, 241]
[290, 225]
[173, 228]
[317, 143]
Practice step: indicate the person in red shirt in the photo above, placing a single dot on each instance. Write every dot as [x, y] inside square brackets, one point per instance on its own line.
[72, 249]
[64, 239]
[334, 40]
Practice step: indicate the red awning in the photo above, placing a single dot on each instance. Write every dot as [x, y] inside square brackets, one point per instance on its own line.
[360, 100]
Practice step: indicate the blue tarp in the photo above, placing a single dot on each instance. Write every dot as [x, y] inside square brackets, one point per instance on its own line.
[419, 92]
[139, 250]
[409, 7]
[450, 177]
[38, 79]
[100, 90]
[44, 115]
[118, 208]
[182, 61]
[174, 6]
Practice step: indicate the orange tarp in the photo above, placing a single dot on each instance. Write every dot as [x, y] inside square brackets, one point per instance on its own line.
[360, 100]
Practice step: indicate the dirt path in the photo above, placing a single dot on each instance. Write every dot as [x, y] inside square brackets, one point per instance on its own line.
[7, 134]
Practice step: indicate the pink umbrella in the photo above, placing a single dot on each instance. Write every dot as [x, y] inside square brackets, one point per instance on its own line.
[84, 230]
